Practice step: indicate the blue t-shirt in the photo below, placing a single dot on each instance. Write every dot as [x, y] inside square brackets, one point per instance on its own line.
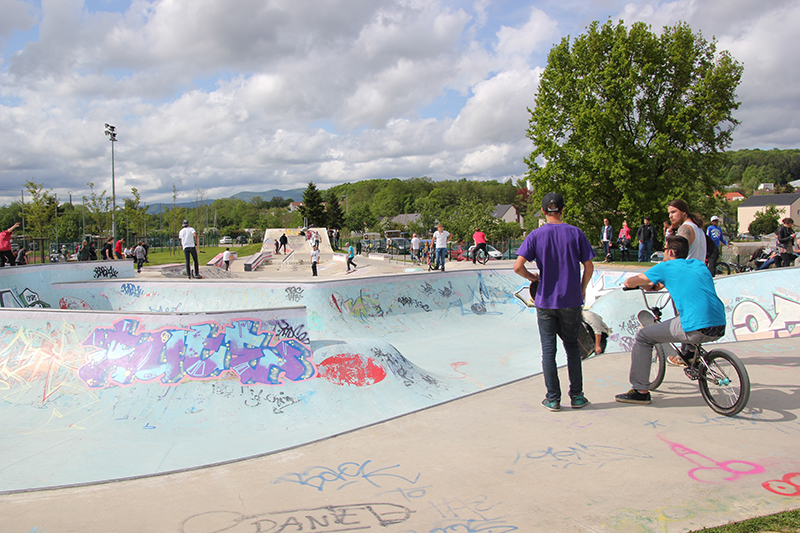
[559, 250]
[715, 232]
[350, 252]
[692, 288]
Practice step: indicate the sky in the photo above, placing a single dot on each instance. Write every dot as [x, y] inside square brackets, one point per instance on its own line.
[221, 96]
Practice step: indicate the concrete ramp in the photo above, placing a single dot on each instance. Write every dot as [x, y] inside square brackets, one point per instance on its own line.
[124, 377]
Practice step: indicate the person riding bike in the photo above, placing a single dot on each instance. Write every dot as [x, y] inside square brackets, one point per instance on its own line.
[480, 244]
[701, 314]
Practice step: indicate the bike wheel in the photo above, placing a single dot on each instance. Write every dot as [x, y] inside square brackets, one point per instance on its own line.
[724, 382]
[723, 269]
[658, 366]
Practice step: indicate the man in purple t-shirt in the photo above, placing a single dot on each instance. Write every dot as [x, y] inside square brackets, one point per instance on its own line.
[559, 251]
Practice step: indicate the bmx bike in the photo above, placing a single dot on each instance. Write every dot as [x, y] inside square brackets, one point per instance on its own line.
[481, 255]
[720, 374]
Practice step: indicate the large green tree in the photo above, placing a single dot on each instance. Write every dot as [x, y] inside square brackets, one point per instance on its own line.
[627, 120]
[334, 218]
[312, 208]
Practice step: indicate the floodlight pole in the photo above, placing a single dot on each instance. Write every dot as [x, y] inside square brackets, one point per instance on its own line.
[111, 132]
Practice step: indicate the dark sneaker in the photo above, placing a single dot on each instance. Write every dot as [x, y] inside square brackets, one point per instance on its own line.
[579, 401]
[633, 396]
[551, 405]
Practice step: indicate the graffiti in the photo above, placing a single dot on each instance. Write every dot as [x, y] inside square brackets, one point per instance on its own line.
[665, 517]
[784, 486]
[284, 329]
[278, 401]
[202, 351]
[294, 294]
[626, 343]
[631, 326]
[103, 271]
[448, 291]
[365, 516]
[724, 468]
[27, 298]
[362, 307]
[580, 455]
[318, 477]
[750, 321]
[351, 369]
[427, 288]
[407, 301]
[70, 302]
[129, 289]
[470, 516]
[404, 370]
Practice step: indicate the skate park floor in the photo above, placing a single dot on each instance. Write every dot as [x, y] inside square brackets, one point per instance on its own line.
[493, 461]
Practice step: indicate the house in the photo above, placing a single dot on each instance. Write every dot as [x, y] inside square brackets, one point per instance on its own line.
[766, 187]
[735, 195]
[508, 213]
[788, 205]
[294, 206]
[406, 219]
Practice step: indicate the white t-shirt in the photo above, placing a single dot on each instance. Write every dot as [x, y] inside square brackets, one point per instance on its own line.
[315, 256]
[441, 238]
[186, 235]
[697, 249]
[415, 243]
[226, 255]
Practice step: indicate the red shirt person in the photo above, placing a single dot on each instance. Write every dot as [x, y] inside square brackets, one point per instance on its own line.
[480, 244]
[6, 255]
[118, 248]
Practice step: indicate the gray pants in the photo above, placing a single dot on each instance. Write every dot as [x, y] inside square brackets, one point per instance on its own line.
[647, 337]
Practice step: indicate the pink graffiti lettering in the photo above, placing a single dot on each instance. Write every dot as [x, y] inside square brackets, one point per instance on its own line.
[707, 467]
[784, 486]
[202, 351]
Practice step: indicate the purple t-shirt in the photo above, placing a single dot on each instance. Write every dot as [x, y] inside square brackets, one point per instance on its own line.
[559, 250]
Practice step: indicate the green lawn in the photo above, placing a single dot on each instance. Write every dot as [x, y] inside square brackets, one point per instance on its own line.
[204, 254]
[786, 522]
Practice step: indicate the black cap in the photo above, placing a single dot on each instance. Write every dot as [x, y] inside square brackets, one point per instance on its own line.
[552, 198]
[185, 223]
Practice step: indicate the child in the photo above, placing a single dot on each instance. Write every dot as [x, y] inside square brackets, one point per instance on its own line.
[226, 256]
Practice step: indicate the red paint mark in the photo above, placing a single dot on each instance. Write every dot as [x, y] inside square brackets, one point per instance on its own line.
[458, 364]
[351, 369]
[335, 303]
[735, 468]
[784, 486]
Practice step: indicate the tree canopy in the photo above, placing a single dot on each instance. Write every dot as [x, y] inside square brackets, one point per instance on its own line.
[627, 120]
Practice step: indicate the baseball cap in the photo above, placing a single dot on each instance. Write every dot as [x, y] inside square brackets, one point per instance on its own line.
[185, 223]
[715, 217]
[552, 198]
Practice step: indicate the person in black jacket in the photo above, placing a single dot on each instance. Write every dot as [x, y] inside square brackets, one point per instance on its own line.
[646, 234]
[785, 242]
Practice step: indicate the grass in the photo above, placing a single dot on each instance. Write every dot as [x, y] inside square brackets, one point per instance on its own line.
[785, 522]
[204, 254]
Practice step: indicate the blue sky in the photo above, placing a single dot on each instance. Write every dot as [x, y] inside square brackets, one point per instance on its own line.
[230, 95]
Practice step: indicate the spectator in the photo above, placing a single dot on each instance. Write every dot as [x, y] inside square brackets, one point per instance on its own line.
[606, 234]
[139, 253]
[6, 255]
[415, 245]
[108, 249]
[226, 258]
[688, 225]
[624, 241]
[22, 256]
[118, 248]
[441, 238]
[314, 259]
[559, 250]
[646, 234]
[188, 237]
[785, 241]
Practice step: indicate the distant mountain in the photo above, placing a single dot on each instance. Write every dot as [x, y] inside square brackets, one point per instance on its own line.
[296, 195]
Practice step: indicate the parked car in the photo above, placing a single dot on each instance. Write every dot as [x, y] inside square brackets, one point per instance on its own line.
[225, 240]
[400, 245]
[458, 252]
[493, 252]
[241, 239]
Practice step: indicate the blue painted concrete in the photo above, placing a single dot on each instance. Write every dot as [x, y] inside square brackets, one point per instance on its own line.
[136, 377]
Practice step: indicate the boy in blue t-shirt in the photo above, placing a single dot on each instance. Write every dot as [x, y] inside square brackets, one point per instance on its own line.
[701, 314]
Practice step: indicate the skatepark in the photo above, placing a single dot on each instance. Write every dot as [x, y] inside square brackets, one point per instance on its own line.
[392, 399]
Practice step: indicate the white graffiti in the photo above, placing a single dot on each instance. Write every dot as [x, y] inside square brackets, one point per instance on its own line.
[751, 321]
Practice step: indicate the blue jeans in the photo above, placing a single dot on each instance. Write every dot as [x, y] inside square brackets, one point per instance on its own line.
[565, 323]
[645, 249]
[440, 255]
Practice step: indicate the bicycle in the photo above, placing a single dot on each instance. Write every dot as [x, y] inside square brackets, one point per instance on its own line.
[720, 374]
[481, 255]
